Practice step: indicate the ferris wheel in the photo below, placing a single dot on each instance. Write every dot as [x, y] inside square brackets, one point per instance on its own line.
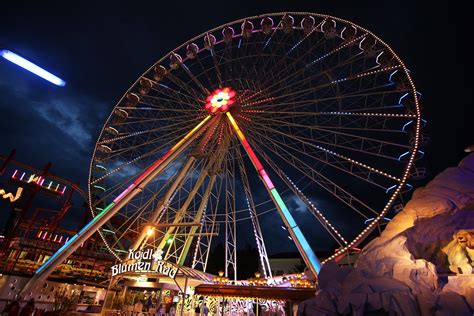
[244, 121]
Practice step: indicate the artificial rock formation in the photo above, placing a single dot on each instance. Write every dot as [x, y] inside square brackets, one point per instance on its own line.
[420, 265]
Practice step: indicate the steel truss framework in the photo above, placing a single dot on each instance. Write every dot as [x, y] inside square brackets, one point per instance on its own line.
[323, 107]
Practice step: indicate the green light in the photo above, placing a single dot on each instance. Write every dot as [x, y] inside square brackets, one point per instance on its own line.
[100, 187]
[101, 167]
[169, 240]
[283, 207]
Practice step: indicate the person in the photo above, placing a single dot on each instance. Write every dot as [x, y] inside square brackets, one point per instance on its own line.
[138, 307]
[28, 309]
[197, 311]
[204, 310]
[148, 303]
[12, 309]
[173, 310]
[162, 310]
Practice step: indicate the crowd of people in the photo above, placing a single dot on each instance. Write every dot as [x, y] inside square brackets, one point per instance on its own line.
[161, 310]
[14, 309]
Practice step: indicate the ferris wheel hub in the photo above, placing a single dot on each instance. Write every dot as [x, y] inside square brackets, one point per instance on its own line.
[220, 100]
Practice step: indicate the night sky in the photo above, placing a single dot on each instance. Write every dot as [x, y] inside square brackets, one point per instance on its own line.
[101, 49]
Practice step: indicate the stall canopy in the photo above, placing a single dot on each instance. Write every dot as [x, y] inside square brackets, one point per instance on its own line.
[260, 292]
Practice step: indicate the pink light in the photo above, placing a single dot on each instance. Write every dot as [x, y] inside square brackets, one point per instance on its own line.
[67, 239]
[14, 174]
[124, 192]
[266, 178]
[158, 162]
[64, 189]
[60, 238]
[38, 180]
[22, 176]
[42, 180]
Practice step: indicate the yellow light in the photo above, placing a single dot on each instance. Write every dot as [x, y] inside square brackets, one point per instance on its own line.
[10, 196]
[150, 232]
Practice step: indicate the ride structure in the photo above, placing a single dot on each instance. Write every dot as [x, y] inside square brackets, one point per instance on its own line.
[294, 113]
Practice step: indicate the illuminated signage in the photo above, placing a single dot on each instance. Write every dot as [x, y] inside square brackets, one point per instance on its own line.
[39, 181]
[10, 196]
[146, 261]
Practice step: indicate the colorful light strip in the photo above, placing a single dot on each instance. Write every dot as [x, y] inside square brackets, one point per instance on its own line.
[121, 195]
[39, 181]
[159, 161]
[25, 64]
[71, 240]
[301, 240]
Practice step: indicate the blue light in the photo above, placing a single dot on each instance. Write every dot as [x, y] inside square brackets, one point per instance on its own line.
[403, 155]
[391, 75]
[391, 188]
[406, 124]
[20, 61]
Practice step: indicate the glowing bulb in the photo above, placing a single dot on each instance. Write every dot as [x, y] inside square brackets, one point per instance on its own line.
[150, 232]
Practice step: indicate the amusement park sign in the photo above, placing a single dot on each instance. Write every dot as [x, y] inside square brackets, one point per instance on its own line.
[145, 261]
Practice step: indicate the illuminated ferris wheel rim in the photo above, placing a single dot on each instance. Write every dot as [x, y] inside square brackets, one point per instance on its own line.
[416, 121]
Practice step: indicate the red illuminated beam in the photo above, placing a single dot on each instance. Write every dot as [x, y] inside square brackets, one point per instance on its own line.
[296, 234]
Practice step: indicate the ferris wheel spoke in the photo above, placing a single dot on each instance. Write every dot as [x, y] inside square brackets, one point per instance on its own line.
[152, 108]
[297, 92]
[216, 65]
[157, 101]
[312, 48]
[361, 93]
[149, 131]
[173, 96]
[184, 86]
[353, 143]
[352, 162]
[264, 263]
[309, 205]
[335, 130]
[196, 80]
[299, 239]
[111, 192]
[134, 147]
[290, 114]
[329, 158]
[140, 120]
[282, 80]
[320, 126]
[167, 141]
[281, 83]
[324, 182]
[178, 119]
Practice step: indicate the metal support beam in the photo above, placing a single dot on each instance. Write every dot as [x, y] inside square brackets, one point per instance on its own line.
[120, 201]
[296, 234]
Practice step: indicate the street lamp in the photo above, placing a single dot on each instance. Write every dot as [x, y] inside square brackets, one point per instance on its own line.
[220, 279]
